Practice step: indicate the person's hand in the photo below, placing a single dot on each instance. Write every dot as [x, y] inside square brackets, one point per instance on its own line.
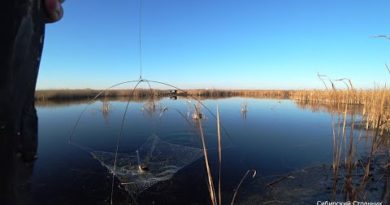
[54, 10]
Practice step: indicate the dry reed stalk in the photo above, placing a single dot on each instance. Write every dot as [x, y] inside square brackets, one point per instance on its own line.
[387, 67]
[239, 184]
[211, 187]
[373, 149]
[219, 156]
[206, 160]
[351, 191]
[335, 154]
[340, 138]
[344, 134]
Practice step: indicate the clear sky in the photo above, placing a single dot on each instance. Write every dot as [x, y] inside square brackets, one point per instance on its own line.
[250, 44]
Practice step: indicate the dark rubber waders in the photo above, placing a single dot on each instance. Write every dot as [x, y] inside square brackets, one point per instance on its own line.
[21, 40]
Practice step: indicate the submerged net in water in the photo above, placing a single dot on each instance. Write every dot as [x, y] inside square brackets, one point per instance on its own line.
[155, 161]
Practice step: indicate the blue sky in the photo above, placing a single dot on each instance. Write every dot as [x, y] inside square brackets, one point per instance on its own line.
[249, 44]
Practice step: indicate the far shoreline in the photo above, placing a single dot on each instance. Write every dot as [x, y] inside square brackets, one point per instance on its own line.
[327, 96]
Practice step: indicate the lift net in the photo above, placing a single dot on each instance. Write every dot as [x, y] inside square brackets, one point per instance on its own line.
[158, 161]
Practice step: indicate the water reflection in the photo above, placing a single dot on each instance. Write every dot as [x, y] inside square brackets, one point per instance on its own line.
[244, 110]
[150, 107]
[330, 108]
[277, 139]
[105, 109]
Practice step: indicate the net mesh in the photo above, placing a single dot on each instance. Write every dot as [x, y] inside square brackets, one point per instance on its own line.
[153, 162]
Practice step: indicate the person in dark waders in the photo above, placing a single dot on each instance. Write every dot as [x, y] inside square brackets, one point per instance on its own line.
[21, 41]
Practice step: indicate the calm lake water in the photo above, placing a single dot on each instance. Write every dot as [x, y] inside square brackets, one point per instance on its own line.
[275, 137]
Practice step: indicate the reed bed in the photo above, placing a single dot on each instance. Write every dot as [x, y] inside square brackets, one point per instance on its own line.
[373, 114]
[351, 96]
[65, 94]
[374, 103]
[80, 94]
